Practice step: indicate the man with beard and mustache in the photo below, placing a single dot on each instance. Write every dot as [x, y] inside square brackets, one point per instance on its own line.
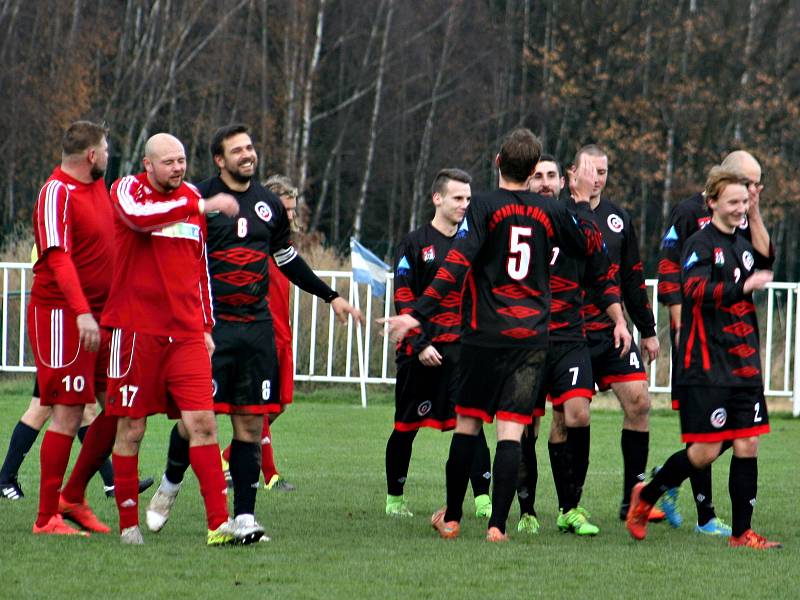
[245, 367]
[568, 382]
[73, 230]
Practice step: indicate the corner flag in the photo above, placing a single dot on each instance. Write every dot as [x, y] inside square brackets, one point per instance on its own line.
[368, 268]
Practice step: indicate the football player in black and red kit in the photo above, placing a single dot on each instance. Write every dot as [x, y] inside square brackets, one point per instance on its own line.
[719, 383]
[427, 357]
[244, 362]
[500, 257]
[568, 382]
[686, 218]
[625, 375]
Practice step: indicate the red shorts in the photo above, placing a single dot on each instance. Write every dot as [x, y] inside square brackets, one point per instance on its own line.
[285, 374]
[66, 373]
[149, 374]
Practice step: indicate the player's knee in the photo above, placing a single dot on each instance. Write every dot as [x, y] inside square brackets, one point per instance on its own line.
[131, 430]
[637, 405]
[577, 415]
[202, 428]
[746, 447]
[36, 416]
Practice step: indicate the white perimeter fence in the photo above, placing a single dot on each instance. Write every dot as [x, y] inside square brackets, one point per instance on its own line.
[326, 351]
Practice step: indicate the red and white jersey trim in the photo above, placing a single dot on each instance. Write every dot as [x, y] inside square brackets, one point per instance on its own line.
[54, 222]
[130, 206]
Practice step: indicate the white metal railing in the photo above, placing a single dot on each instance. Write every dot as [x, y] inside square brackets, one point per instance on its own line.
[325, 351]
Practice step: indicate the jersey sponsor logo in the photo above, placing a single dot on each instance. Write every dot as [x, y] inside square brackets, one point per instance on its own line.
[670, 239]
[424, 408]
[718, 418]
[429, 254]
[703, 221]
[747, 260]
[186, 231]
[263, 211]
[403, 268]
[615, 223]
[463, 229]
[719, 257]
[691, 261]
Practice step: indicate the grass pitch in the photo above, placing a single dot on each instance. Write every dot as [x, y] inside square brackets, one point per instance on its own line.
[331, 538]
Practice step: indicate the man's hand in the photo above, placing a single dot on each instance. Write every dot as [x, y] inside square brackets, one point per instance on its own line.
[89, 332]
[622, 337]
[209, 343]
[650, 348]
[342, 308]
[224, 203]
[757, 281]
[581, 179]
[430, 357]
[399, 325]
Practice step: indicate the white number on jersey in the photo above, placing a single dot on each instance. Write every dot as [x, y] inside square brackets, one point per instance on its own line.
[634, 360]
[76, 383]
[266, 389]
[128, 394]
[553, 259]
[241, 227]
[574, 371]
[757, 418]
[519, 259]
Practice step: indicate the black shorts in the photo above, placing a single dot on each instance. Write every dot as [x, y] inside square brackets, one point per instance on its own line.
[568, 374]
[425, 396]
[716, 414]
[500, 382]
[245, 368]
[608, 366]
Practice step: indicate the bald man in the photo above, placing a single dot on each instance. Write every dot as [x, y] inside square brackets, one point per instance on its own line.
[686, 218]
[159, 314]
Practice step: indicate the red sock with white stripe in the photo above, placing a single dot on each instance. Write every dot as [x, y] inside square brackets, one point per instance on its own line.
[53, 458]
[96, 448]
[126, 489]
[267, 458]
[207, 466]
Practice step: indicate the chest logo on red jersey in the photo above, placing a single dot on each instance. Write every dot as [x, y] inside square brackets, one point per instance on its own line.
[263, 211]
[615, 223]
[429, 254]
[703, 221]
[719, 257]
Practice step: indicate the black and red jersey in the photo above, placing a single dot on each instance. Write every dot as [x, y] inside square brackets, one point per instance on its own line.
[501, 256]
[239, 249]
[619, 236]
[719, 343]
[686, 218]
[418, 258]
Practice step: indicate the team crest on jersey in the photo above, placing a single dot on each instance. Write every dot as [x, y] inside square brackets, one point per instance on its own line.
[263, 211]
[744, 224]
[429, 254]
[691, 261]
[747, 260]
[615, 223]
[703, 221]
[719, 257]
[463, 229]
[424, 408]
[70, 187]
[718, 418]
[403, 267]
[670, 239]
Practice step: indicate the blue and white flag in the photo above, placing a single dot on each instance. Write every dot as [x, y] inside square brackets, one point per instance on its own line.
[368, 268]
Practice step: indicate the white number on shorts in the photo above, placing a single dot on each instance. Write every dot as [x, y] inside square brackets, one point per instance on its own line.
[634, 360]
[241, 227]
[553, 259]
[519, 258]
[128, 394]
[76, 383]
[266, 389]
[757, 418]
[574, 371]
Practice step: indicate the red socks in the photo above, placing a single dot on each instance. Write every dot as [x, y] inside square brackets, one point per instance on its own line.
[207, 466]
[97, 446]
[126, 489]
[53, 458]
[267, 458]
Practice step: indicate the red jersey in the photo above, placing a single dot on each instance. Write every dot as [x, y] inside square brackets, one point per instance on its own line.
[279, 305]
[160, 284]
[77, 218]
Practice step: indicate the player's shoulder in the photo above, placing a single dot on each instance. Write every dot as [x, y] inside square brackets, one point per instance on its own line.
[127, 184]
[208, 187]
[690, 207]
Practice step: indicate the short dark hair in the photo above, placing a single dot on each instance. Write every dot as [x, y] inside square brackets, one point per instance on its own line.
[222, 134]
[552, 159]
[444, 176]
[519, 154]
[81, 136]
[591, 150]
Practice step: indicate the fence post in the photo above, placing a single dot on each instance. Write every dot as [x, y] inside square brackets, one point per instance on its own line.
[796, 380]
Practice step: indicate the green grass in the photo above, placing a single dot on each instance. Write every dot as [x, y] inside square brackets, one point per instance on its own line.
[332, 540]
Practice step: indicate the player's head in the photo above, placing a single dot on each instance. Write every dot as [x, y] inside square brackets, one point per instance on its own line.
[727, 197]
[86, 144]
[233, 152]
[745, 164]
[547, 179]
[451, 194]
[519, 153]
[599, 159]
[284, 188]
[165, 162]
